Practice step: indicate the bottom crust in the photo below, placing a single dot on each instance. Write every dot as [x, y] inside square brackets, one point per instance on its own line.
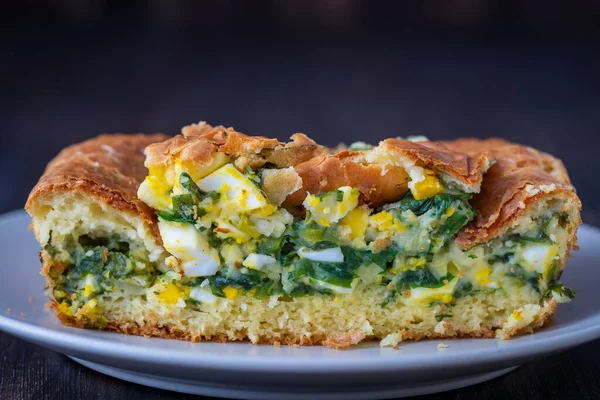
[164, 322]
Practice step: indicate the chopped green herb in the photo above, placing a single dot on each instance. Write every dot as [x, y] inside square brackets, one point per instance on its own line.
[422, 277]
[531, 278]
[463, 288]
[438, 204]
[187, 183]
[560, 290]
[359, 146]
[183, 209]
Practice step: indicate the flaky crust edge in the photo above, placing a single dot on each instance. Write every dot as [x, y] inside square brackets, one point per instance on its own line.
[521, 179]
[107, 168]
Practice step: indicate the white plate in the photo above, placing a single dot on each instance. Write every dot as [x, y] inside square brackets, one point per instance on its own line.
[242, 370]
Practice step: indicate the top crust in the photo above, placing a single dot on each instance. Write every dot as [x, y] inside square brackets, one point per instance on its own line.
[378, 184]
[109, 168]
[522, 179]
[200, 143]
[379, 174]
[464, 169]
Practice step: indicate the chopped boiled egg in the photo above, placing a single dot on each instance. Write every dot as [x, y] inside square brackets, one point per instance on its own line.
[90, 285]
[89, 310]
[273, 225]
[170, 294]
[369, 273]
[385, 221]
[232, 254]
[269, 228]
[330, 207]
[203, 295]
[333, 288]
[357, 220]
[235, 188]
[185, 242]
[226, 229]
[540, 256]
[154, 191]
[177, 189]
[428, 185]
[258, 261]
[231, 292]
[482, 275]
[443, 294]
[65, 308]
[333, 254]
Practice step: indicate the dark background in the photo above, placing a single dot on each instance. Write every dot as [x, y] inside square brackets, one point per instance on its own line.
[338, 70]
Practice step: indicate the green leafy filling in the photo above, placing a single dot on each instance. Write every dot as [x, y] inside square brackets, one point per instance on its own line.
[105, 265]
[252, 280]
[559, 289]
[531, 278]
[463, 288]
[184, 207]
[422, 277]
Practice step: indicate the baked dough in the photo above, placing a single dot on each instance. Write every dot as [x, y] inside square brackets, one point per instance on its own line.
[89, 191]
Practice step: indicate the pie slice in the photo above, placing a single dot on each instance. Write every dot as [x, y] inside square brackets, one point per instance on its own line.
[235, 237]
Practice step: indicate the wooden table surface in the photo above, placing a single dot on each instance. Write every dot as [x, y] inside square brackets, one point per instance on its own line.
[66, 87]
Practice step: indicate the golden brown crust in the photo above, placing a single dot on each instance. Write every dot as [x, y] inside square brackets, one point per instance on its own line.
[384, 180]
[278, 184]
[343, 340]
[521, 178]
[108, 168]
[323, 173]
[539, 320]
[466, 168]
[199, 144]
[380, 180]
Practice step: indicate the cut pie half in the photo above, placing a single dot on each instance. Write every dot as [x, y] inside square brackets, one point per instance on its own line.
[235, 237]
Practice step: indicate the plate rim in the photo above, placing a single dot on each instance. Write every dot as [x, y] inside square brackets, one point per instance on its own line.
[568, 336]
[276, 363]
[258, 392]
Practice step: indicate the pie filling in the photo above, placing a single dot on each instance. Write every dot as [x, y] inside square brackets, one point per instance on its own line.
[226, 240]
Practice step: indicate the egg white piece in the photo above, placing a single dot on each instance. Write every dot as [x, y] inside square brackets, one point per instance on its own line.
[333, 288]
[422, 293]
[232, 253]
[91, 284]
[152, 194]
[203, 295]
[191, 247]
[333, 254]
[267, 228]
[204, 267]
[231, 231]
[539, 256]
[237, 188]
[273, 225]
[328, 209]
[258, 261]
